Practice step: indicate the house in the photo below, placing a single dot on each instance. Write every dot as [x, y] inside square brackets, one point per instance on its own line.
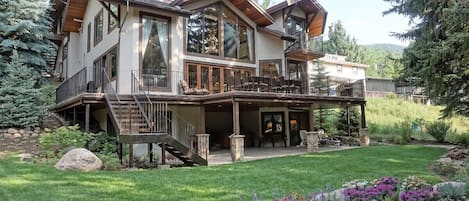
[339, 72]
[381, 87]
[158, 72]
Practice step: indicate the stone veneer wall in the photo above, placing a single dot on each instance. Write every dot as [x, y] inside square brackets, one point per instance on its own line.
[25, 140]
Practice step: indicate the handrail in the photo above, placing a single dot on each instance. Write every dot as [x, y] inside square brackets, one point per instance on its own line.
[113, 92]
[73, 86]
[139, 105]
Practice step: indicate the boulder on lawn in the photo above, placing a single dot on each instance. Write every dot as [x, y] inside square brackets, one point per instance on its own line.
[79, 159]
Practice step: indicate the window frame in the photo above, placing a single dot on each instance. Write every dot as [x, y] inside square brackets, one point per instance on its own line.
[104, 63]
[276, 61]
[97, 39]
[140, 55]
[109, 17]
[88, 42]
[339, 68]
[221, 22]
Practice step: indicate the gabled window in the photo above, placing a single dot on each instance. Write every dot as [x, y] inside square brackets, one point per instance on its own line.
[98, 28]
[112, 22]
[216, 30]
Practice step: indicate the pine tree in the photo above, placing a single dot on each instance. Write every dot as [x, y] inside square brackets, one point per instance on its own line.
[342, 124]
[24, 26]
[438, 58]
[21, 103]
[319, 84]
[343, 44]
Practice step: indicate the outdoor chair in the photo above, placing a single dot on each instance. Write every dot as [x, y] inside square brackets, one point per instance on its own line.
[192, 91]
[273, 137]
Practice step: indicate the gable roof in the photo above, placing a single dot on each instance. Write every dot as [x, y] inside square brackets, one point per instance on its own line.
[314, 10]
[250, 8]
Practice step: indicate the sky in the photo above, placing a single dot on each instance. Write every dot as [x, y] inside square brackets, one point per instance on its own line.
[363, 19]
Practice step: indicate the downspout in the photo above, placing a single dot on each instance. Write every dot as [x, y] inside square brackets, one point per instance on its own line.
[119, 39]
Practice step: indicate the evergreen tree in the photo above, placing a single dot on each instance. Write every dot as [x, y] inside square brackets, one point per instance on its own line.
[319, 85]
[342, 123]
[264, 3]
[24, 26]
[438, 58]
[21, 103]
[343, 44]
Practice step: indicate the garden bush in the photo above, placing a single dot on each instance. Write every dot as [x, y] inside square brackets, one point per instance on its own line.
[55, 143]
[438, 130]
[463, 139]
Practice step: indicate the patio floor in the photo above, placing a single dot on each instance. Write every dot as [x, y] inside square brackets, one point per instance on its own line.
[220, 157]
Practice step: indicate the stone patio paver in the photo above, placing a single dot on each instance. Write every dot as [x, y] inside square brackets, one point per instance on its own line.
[250, 154]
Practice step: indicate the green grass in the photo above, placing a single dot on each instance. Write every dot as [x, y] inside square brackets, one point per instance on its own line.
[269, 178]
[383, 114]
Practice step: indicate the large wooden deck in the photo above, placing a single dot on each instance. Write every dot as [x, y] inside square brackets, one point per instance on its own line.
[227, 97]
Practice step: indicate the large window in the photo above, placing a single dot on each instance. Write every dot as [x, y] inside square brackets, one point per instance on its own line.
[296, 26]
[205, 27]
[271, 68]
[98, 27]
[107, 61]
[155, 51]
[112, 22]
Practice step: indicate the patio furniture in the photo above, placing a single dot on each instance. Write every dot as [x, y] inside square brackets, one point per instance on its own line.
[192, 91]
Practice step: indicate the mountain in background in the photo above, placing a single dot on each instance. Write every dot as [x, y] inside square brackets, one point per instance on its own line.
[387, 47]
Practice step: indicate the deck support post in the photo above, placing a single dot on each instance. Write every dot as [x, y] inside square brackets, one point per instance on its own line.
[120, 152]
[202, 120]
[163, 153]
[236, 139]
[150, 152]
[87, 118]
[349, 131]
[131, 155]
[363, 116]
[311, 117]
[74, 121]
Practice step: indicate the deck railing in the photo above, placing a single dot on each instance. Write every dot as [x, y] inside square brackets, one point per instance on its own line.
[74, 86]
[158, 115]
[315, 44]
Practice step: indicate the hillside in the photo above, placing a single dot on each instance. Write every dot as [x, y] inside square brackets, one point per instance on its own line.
[387, 47]
[384, 113]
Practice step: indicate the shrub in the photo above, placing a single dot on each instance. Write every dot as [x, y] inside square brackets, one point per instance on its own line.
[404, 131]
[463, 139]
[438, 130]
[55, 143]
[448, 193]
[102, 143]
[447, 170]
[110, 161]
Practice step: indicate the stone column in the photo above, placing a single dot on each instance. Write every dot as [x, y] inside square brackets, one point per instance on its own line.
[237, 147]
[364, 137]
[203, 145]
[313, 141]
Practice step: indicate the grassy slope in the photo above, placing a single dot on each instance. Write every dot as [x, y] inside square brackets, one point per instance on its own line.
[384, 113]
[268, 178]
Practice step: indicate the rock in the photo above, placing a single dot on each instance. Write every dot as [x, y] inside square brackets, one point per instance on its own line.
[34, 135]
[17, 135]
[334, 195]
[26, 157]
[79, 159]
[12, 131]
[22, 131]
[444, 160]
[459, 186]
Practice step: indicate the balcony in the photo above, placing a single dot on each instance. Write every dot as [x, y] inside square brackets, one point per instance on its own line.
[306, 49]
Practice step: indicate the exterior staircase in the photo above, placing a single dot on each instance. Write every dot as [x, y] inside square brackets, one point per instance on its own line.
[138, 120]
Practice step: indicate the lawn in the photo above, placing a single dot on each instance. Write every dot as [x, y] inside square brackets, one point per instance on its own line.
[268, 178]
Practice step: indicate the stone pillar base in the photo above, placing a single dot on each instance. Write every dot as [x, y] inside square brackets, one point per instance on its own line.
[312, 141]
[364, 137]
[203, 145]
[237, 147]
